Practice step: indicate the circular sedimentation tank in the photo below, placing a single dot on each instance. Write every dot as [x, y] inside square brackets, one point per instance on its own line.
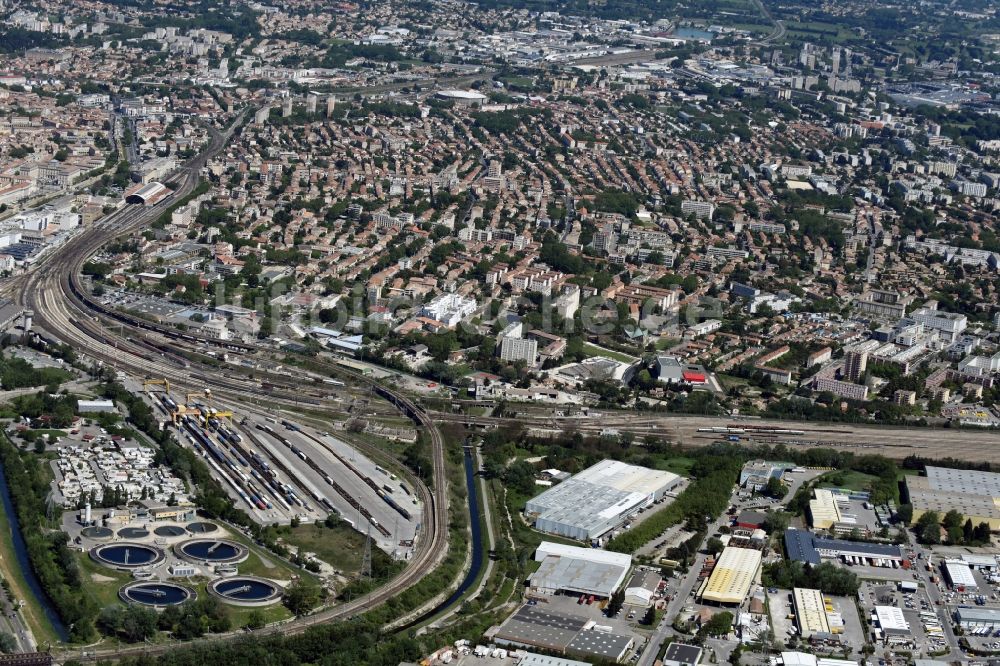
[169, 531]
[133, 533]
[156, 594]
[95, 532]
[246, 591]
[214, 551]
[127, 555]
[202, 528]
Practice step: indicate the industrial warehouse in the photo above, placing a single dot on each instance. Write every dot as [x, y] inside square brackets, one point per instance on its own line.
[563, 634]
[803, 546]
[972, 493]
[735, 572]
[811, 613]
[599, 499]
[584, 571]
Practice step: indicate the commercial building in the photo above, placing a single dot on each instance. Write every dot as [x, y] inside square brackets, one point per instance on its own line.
[94, 406]
[806, 659]
[599, 499]
[642, 588]
[977, 617]
[810, 613]
[531, 627]
[585, 571]
[535, 659]
[959, 575]
[974, 494]
[735, 572]
[824, 512]
[682, 654]
[755, 474]
[803, 546]
[891, 621]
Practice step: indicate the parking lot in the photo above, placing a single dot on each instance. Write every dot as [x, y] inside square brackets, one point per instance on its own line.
[925, 634]
[852, 631]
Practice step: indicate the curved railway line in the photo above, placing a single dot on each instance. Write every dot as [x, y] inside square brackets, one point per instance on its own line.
[68, 313]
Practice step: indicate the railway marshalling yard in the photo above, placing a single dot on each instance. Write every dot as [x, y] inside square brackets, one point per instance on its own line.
[897, 442]
[277, 469]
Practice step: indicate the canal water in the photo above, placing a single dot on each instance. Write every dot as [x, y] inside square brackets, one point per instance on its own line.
[21, 553]
[477, 543]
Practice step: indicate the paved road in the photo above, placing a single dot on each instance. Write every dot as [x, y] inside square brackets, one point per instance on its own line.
[682, 595]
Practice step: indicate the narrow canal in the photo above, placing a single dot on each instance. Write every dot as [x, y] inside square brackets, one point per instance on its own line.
[477, 543]
[21, 553]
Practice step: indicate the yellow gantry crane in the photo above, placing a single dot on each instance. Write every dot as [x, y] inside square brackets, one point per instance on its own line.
[156, 382]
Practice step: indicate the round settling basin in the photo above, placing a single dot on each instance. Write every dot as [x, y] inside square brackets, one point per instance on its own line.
[95, 532]
[246, 591]
[133, 533]
[215, 551]
[155, 594]
[127, 555]
[169, 531]
[202, 528]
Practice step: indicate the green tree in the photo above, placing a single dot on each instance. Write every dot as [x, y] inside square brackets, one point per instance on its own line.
[720, 624]
[301, 597]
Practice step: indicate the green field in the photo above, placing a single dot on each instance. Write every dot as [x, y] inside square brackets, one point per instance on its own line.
[592, 350]
[341, 546]
[848, 479]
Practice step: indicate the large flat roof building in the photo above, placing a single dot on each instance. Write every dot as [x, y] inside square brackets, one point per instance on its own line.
[564, 634]
[974, 494]
[970, 617]
[824, 511]
[810, 612]
[803, 546]
[578, 570]
[959, 575]
[735, 572]
[891, 621]
[598, 499]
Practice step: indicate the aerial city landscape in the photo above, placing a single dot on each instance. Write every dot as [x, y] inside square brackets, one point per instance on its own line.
[500, 333]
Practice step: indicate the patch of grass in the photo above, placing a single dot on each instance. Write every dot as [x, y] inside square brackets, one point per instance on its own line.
[341, 546]
[592, 350]
[848, 479]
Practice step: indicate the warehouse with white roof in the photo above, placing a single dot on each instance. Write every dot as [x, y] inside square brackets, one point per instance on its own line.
[598, 499]
[584, 571]
[959, 575]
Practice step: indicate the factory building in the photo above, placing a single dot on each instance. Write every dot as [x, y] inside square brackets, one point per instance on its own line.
[977, 617]
[959, 575]
[803, 546]
[599, 499]
[810, 613]
[531, 627]
[735, 572]
[974, 494]
[891, 625]
[806, 659]
[824, 511]
[583, 571]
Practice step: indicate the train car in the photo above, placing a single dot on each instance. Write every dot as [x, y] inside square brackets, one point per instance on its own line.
[403, 487]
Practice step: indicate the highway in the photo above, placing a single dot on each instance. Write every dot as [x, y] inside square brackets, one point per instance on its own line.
[53, 291]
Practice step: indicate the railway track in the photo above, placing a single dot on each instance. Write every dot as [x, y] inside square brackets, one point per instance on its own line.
[64, 309]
